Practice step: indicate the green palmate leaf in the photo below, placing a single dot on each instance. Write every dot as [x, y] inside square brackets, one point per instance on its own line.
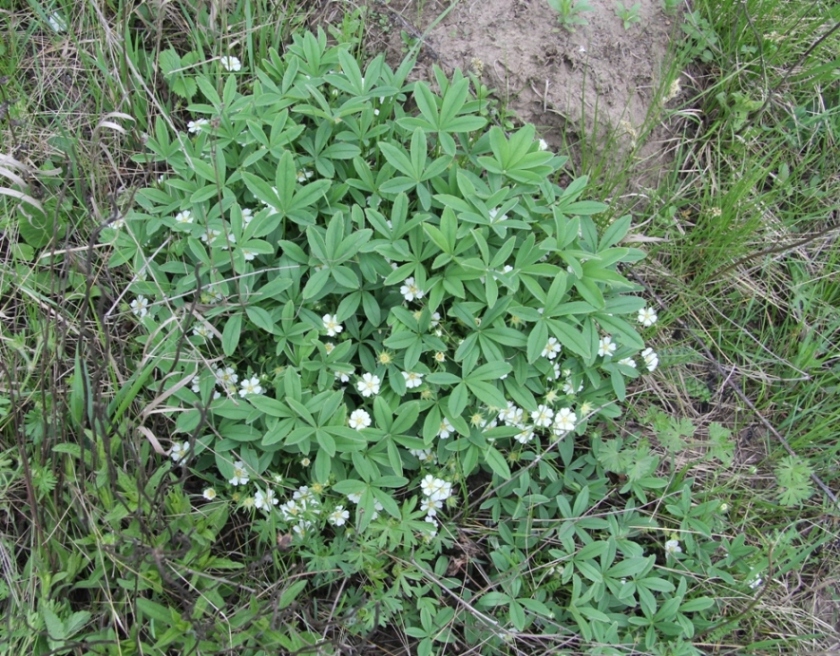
[231, 334]
[537, 340]
[262, 319]
[496, 462]
[458, 399]
[488, 394]
[316, 283]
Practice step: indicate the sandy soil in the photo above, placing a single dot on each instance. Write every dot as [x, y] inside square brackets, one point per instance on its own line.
[600, 81]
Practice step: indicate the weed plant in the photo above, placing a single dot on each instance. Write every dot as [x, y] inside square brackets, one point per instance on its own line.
[628, 15]
[569, 12]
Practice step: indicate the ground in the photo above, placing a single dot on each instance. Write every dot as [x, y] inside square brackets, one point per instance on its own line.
[599, 85]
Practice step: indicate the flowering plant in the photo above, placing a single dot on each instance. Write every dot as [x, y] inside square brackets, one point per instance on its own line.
[324, 276]
[352, 310]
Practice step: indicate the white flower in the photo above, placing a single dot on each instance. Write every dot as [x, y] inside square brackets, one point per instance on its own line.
[202, 330]
[354, 497]
[410, 290]
[230, 239]
[436, 489]
[304, 495]
[440, 357]
[423, 455]
[647, 317]
[552, 348]
[57, 23]
[251, 386]
[226, 377]
[209, 494]
[339, 516]
[606, 346]
[650, 358]
[248, 254]
[628, 362]
[542, 416]
[564, 421]
[569, 387]
[412, 380]
[585, 408]
[247, 215]
[343, 377]
[230, 63]
[264, 500]
[724, 507]
[359, 419]
[428, 485]
[755, 581]
[494, 215]
[304, 175]
[290, 510]
[507, 268]
[435, 322]
[430, 534]
[209, 235]
[377, 508]
[431, 506]
[184, 217]
[194, 127]
[673, 547]
[179, 451]
[331, 325]
[512, 415]
[445, 429]
[487, 424]
[211, 295]
[543, 144]
[140, 306]
[368, 385]
[240, 474]
[329, 347]
[525, 435]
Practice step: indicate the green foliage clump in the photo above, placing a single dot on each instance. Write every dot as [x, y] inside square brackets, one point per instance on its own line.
[367, 323]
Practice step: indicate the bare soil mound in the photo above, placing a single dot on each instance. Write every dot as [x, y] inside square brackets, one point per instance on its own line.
[599, 84]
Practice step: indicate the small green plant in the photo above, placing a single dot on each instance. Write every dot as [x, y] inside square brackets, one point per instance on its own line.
[628, 15]
[569, 12]
[671, 6]
[702, 41]
[793, 475]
